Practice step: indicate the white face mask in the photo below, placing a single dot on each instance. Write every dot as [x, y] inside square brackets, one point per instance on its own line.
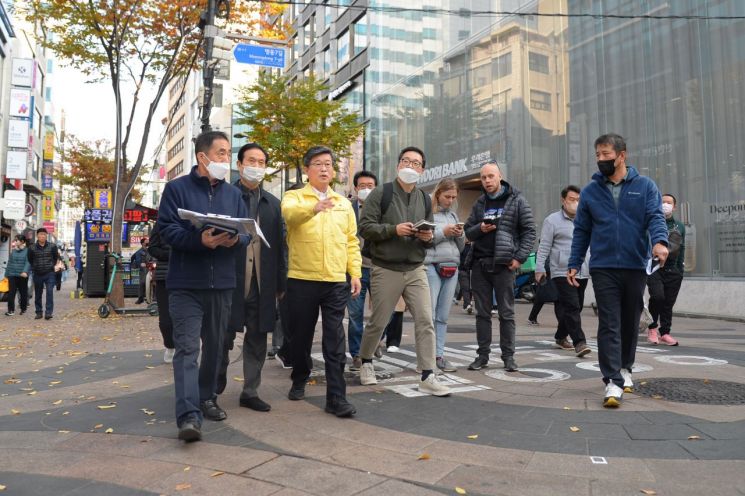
[252, 174]
[363, 194]
[571, 207]
[408, 175]
[218, 170]
[667, 209]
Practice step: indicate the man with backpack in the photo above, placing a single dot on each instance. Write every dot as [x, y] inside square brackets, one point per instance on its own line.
[664, 284]
[397, 251]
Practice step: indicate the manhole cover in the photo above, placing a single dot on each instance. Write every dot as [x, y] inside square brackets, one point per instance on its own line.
[696, 391]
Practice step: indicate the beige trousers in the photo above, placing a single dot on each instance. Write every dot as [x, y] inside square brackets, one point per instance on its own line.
[386, 286]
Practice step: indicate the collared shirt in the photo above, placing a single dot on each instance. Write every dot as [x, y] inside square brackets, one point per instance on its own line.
[321, 194]
[615, 189]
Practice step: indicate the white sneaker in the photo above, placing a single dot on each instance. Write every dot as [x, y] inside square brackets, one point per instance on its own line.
[613, 396]
[392, 349]
[168, 355]
[628, 384]
[431, 385]
[367, 375]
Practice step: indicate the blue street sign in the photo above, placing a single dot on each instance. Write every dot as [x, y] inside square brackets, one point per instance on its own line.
[259, 55]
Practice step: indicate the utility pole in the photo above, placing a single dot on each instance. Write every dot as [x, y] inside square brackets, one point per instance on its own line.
[208, 71]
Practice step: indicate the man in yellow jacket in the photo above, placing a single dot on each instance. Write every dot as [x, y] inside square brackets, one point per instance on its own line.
[323, 250]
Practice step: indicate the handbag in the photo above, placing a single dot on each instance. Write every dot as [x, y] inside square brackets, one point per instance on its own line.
[446, 270]
[59, 266]
[4, 285]
[546, 291]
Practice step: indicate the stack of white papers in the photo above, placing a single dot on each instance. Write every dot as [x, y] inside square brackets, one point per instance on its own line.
[246, 227]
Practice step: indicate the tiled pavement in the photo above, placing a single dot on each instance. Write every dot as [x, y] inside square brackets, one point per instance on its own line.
[64, 383]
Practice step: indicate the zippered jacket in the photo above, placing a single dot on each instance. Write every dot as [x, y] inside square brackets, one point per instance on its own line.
[192, 265]
[17, 263]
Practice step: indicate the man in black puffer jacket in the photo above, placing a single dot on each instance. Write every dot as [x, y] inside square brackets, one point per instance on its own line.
[161, 251]
[43, 257]
[502, 231]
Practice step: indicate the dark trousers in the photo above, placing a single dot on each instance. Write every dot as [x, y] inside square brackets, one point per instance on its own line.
[620, 298]
[79, 283]
[20, 285]
[664, 286]
[141, 285]
[44, 282]
[568, 309]
[254, 346]
[305, 298]
[284, 324]
[164, 315]
[394, 330]
[198, 314]
[464, 281]
[487, 284]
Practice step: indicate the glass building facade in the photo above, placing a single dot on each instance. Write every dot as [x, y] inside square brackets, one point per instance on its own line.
[534, 91]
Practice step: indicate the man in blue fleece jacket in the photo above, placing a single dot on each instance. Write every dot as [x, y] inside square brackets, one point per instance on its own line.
[619, 215]
[201, 278]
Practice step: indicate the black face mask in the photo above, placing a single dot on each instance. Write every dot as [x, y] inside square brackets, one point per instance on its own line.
[607, 167]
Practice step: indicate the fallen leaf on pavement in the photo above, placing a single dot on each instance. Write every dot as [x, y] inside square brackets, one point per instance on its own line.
[109, 430]
[694, 438]
[186, 469]
[567, 408]
[217, 474]
[98, 426]
[105, 407]
[473, 436]
[65, 413]
[460, 490]
[12, 380]
[238, 379]
[54, 383]
[56, 402]
[649, 492]
[149, 367]
[423, 456]
[64, 432]
[2, 488]
[15, 412]
[312, 382]
[656, 397]
[706, 381]
[181, 487]
[147, 412]
[574, 428]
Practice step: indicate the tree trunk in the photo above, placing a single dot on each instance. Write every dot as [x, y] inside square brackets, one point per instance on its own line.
[117, 290]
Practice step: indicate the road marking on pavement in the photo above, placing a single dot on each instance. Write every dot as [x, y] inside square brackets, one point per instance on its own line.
[551, 375]
[599, 460]
[595, 367]
[690, 360]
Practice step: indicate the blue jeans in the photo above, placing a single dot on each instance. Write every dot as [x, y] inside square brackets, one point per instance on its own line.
[356, 310]
[41, 283]
[197, 315]
[441, 291]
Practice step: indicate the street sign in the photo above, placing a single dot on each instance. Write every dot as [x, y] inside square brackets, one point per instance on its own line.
[13, 204]
[29, 209]
[21, 225]
[266, 56]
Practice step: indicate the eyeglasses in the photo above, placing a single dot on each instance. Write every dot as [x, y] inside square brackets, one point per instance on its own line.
[320, 165]
[410, 163]
[254, 162]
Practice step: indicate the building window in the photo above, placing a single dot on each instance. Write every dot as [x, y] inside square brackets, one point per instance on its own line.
[175, 128]
[342, 49]
[360, 34]
[328, 14]
[308, 32]
[481, 75]
[502, 66]
[540, 100]
[176, 149]
[326, 62]
[176, 170]
[538, 62]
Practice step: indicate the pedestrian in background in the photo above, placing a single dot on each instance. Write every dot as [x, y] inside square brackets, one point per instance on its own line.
[364, 183]
[323, 251]
[664, 284]
[619, 213]
[502, 230]
[17, 271]
[201, 279]
[161, 252]
[138, 263]
[442, 261]
[45, 263]
[554, 248]
[464, 278]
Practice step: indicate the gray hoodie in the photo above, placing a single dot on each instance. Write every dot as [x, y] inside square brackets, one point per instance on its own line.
[556, 246]
[445, 249]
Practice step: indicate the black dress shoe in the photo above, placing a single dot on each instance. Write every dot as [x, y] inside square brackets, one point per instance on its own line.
[297, 392]
[255, 403]
[190, 431]
[510, 365]
[212, 411]
[48, 317]
[38, 316]
[340, 407]
[481, 362]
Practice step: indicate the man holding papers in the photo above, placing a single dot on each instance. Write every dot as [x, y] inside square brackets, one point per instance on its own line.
[201, 278]
[397, 251]
[323, 251]
[262, 278]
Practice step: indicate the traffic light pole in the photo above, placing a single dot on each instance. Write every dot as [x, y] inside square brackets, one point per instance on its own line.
[208, 70]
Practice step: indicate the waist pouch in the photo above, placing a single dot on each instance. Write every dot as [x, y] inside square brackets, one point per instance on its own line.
[446, 270]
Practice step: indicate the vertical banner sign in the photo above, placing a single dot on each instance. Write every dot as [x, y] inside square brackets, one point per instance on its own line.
[48, 212]
[49, 146]
[47, 170]
[102, 198]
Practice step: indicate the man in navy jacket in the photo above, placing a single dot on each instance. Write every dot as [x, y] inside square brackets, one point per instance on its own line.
[201, 278]
[619, 214]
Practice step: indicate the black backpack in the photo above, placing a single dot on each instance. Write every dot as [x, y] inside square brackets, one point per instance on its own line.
[674, 241]
[385, 202]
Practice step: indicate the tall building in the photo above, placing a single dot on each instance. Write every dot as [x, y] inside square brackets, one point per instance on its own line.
[533, 90]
